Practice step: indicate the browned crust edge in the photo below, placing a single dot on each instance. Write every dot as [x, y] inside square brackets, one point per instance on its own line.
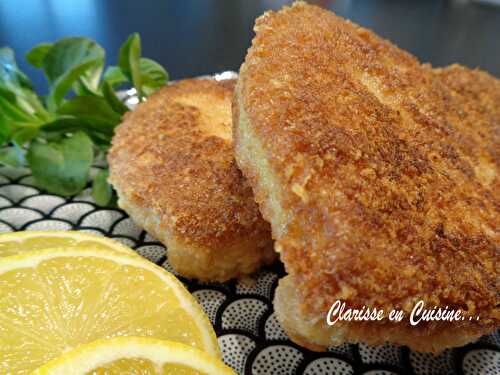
[183, 185]
[315, 291]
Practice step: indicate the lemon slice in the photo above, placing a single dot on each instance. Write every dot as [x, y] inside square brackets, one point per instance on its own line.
[16, 242]
[52, 301]
[135, 355]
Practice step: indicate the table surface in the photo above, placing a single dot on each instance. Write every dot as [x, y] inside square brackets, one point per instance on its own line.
[195, 37]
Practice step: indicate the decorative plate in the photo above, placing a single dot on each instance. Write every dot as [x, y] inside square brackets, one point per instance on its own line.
[250, 336]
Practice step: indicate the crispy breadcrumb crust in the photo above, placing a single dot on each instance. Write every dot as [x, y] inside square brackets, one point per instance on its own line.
[381, 186]
[173, 167]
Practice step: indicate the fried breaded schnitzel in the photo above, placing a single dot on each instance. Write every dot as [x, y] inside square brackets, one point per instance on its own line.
[172, 165]
[379, 177]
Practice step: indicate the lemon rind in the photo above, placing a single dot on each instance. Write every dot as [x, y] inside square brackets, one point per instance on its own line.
[90, 356]
[79, 235]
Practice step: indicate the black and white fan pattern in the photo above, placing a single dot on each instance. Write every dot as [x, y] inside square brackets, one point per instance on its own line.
[250, 336]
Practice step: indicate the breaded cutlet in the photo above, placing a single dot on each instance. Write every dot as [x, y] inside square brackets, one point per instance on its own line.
[172, 165]
[379, 178]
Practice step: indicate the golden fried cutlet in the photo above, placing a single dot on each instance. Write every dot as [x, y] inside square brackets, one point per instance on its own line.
[379, 178]
[172, 165]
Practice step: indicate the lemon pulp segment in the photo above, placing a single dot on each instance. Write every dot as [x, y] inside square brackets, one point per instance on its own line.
[52, 301]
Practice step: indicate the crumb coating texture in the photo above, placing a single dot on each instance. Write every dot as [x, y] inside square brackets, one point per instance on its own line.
[172, 164]
[386, 171]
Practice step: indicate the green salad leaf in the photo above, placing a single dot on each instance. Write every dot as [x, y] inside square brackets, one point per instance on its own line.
[129, 62]
[63, 166]
[58, 135]
[153, 75]
[10, 156]
[17, 88]
[70, 60]
[94, 109]
[37, 54]
[14, 112]
[69, 124]
[114, 76]
[5, 130]
[113, 100]
[10, 75]
[24, 135]
[102, 192]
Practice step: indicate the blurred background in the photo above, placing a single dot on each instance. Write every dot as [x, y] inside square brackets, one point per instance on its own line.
[194, 37]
